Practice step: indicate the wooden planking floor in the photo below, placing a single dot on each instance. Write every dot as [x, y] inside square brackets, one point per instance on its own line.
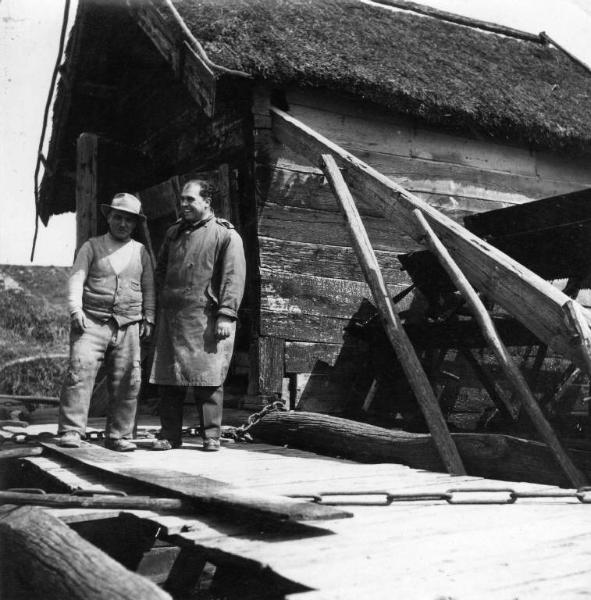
[429, 549]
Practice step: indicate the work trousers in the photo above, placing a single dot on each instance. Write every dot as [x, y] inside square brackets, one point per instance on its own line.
[209, 401]
[119, 349]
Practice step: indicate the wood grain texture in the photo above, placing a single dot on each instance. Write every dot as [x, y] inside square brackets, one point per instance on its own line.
[403, 347]
[377, 126]
[313, 227]
[306, 357]
[206, 494]
[86, 187]
[508, 365]
[530, 299]
[270, 352]
[325, 260]
[42, 558]
[285, 292]
[484, 455]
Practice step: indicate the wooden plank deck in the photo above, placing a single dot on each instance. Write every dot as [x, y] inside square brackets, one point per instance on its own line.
[532, 549]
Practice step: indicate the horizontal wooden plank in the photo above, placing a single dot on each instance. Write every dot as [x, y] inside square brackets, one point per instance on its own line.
[324, 260]
[295, 294]
[451, 188]
[204, 492]
[546, 166]
[530, 299]
[408, 140]
[299, 186]
[420, 175]
[311, 226]
[303, 327]
[308, 357]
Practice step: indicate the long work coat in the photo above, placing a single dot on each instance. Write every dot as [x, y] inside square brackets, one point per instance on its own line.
[200, 275]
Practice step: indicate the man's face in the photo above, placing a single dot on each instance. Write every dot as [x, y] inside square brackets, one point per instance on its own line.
[193, 206]
[121, 224]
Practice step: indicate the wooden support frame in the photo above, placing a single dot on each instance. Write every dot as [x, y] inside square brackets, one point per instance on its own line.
[199, 79]
[503, 405]
[86, 187]
[530, 299]
[574, 314]
[393, 326]
[506, 362]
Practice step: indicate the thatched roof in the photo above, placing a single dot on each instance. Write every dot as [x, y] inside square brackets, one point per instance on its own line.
[442, 73]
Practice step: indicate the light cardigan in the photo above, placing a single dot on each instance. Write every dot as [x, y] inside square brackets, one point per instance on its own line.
[104, 291]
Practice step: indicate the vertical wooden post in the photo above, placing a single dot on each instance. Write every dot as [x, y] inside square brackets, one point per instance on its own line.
[400, 342]
[86, 187]
[266, 370]
[225, 207]
[509, 367]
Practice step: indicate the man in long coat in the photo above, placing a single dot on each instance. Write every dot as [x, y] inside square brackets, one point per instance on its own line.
[200, 277]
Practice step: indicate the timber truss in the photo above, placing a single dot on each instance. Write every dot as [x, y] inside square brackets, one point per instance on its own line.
[470, 262]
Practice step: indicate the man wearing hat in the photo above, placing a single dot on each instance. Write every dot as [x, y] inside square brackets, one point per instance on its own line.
[111, 303]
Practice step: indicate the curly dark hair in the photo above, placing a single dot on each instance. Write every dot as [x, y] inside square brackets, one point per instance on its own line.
[207, 188]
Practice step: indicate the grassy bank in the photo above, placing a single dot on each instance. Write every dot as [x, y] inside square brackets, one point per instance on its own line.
[33, 329]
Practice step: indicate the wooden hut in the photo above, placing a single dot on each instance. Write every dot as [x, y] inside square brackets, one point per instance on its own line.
[467, 117]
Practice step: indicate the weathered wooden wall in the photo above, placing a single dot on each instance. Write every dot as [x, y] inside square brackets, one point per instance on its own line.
[311, 285]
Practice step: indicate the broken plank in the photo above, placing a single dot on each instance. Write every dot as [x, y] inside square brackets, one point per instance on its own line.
[207, 494]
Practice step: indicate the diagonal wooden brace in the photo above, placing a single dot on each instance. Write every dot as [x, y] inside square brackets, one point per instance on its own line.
[398, 338]
[509, 367]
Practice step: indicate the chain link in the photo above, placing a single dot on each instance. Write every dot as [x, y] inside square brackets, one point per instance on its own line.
[451, 496]
[27, 438]
[241, 434]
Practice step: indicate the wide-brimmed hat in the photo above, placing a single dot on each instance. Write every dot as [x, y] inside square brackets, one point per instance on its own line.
[125, 203]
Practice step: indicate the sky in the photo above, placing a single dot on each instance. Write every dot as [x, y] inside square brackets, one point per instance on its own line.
[29, 36]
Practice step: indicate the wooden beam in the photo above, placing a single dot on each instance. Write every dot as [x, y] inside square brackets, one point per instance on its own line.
[497, 456]
[270, 359]
[504, 405]
[574, 314]
[510, 369]
[42, 558]
[86, 187]
[197, 76]
[393, 326]
[531, 300]
[101, 501]
[207, 495]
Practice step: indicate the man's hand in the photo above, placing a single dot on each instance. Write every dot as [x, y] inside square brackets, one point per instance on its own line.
[78, 321]
[223, 327]
[146, 329]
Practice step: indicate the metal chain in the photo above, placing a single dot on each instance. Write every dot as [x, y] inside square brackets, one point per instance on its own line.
[451, 496]
[28, 438]
[240, 434]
